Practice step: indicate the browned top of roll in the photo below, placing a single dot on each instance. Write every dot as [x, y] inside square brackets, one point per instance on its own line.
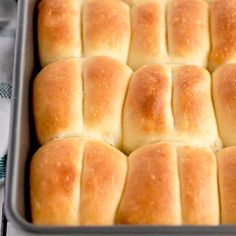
[104, 79]
[147, 98]
[223, 30]
[146, 19]
[198, 182]
[192, 99]
[58, 82]
[103, 180]
[188, 27]
[54, 183]
[106, 28]
[151, 194]
[58, 30]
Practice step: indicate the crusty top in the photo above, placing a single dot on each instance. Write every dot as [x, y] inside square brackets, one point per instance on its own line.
[57, 100]
[223, 32]
[59, 35]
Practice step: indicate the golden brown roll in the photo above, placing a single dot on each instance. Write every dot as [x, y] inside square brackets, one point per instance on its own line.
[58, 100]
[76, 182]
[59, 29]
[151, 194]
[148, 42]
[224, 96]
[103, 180]
[80, 98]
[105, 85]
[106, 28]
[227, 184]
[198, 182]
[223, 32]
[188, 32]
[172, 104]
[147, 111]
[55, 176]
[193, 111]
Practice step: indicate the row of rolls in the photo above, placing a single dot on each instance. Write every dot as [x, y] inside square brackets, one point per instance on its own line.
[133, 128]
[142, 32]
[76, 181]
[102, 98]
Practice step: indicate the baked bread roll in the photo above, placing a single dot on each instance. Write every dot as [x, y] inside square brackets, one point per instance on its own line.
[106, 29]
[227, 184]
[188, 32]
[80, 98]
[148, 42]
[198, 183]
[152, 194]
[58, 100]
[223, 32]
[175, 106]
[55, 176]
[59, 32]
[168, 183]
[224, 92]
[76, 182]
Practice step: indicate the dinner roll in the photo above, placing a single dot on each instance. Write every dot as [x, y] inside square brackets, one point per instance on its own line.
[223, 32]
[188, 32]
[106, 28]
[148, 42]
[55, 177]
[194, 116]
[76, 182]
[227, 184]
[103, 180]
[58, 100]
[59, 29]
[105, 85]
[80, 98]
[169, 103]
[152, 194]
[224, 96]
[198, 183]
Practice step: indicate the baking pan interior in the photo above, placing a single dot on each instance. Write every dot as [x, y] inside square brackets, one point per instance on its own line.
[23, 144]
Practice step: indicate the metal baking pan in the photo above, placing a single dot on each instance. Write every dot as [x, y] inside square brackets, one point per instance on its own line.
[22, 145]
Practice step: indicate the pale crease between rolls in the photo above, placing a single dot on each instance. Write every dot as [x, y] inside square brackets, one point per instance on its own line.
[140, 32]
[77, 181]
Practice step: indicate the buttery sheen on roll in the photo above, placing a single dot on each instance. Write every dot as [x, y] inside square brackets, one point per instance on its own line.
[171, 184]
[172, 104]
[77, 97]
[76, 182]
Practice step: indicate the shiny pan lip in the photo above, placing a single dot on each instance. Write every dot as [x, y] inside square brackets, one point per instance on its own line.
[19, 149]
